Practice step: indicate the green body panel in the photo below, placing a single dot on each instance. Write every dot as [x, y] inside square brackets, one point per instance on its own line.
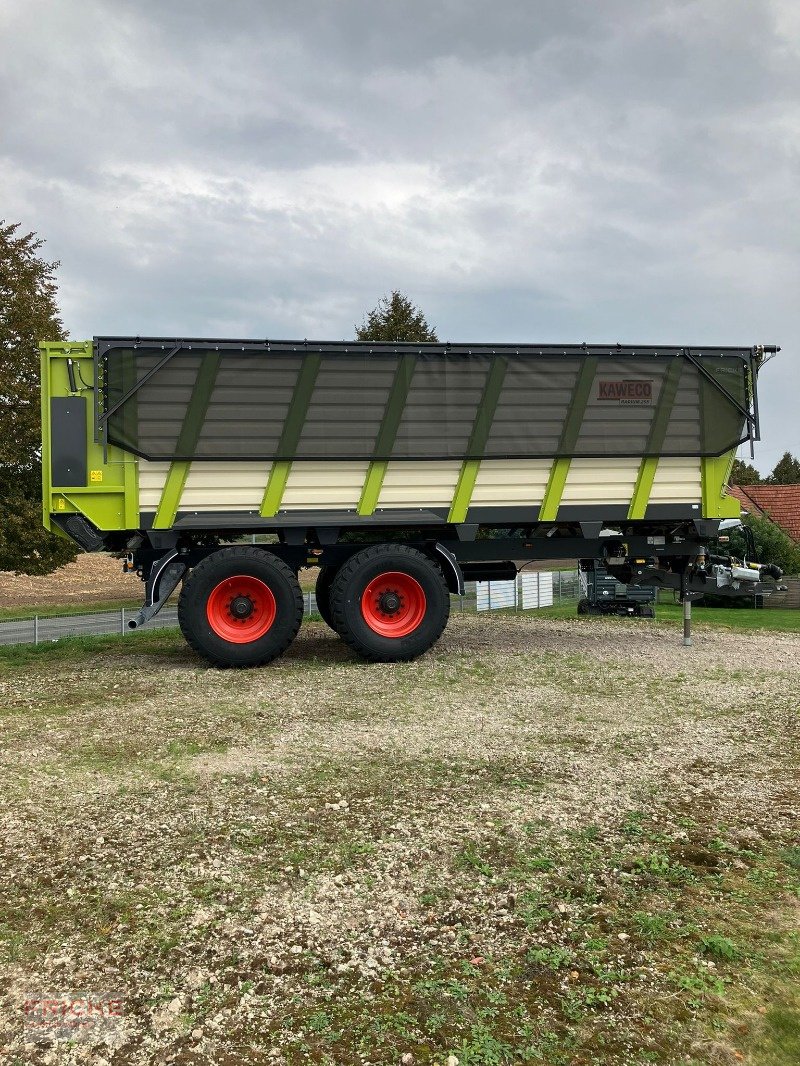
[110, 496]
[171, 494]
[569, 434]
[477, 440]
[187, 441]
[715, 473]
[465, 486]
[373, 483]
[655, 441]
[273, 494]
[548, 512]
[387, 433]
[643, 487]
[290, 435]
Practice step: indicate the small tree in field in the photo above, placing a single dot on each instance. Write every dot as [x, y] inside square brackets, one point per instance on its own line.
[28, 314]
[395, 319]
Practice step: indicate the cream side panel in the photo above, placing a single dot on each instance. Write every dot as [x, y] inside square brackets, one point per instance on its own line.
[328, 485]
[229, 486]
[677, 481]
[600, 481]
[151, 483]
[511, 482]
[419, 484]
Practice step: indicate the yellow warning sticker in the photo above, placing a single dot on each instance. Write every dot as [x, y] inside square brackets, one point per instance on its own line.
[60, 505]
[95, 475]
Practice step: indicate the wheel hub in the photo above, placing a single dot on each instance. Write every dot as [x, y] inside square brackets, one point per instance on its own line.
[241, 607]
[390, 602]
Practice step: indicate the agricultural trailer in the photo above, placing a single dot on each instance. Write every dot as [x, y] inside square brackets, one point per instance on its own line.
[398, 470]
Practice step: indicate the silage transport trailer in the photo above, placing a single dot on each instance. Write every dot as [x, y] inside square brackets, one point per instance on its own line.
[398, 469]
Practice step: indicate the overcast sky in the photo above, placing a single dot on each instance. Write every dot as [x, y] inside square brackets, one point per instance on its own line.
[522, 169]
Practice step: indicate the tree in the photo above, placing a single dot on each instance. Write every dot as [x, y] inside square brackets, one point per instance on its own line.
[744, 473]
[786, 472]
[772, 544]
[395, 319]
[28, 314]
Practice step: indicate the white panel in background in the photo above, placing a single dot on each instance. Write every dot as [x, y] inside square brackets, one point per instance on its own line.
[537, 589]
[492, 595]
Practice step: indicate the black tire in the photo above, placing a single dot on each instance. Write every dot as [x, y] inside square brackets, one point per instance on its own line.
[583, 606]
[350, 585]
[322, 591]
[196, 606]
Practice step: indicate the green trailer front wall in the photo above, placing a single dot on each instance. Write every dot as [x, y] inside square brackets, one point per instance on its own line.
[122, 492]
[109, 494]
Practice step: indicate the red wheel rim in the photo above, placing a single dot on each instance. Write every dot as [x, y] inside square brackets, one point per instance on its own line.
[241, 609]
[393, 604]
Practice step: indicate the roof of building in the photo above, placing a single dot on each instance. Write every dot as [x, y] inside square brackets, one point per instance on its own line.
[779, 503]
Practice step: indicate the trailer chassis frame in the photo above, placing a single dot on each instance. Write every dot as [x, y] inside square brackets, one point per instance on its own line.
[639, 559]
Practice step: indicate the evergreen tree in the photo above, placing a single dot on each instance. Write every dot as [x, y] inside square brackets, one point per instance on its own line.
[744, 473]
[786, 472]
[395, 319]
[28, 314]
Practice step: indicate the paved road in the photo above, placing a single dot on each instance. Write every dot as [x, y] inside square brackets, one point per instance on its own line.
[99, 623]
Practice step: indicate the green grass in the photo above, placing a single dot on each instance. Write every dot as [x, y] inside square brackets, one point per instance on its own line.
[778, 1039]
[776, 620]
[72, 649]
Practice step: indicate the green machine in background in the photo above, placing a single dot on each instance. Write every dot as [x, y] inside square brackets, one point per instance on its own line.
[602, 593]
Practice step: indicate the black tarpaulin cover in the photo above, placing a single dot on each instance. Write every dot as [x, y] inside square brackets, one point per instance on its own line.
[168, 399]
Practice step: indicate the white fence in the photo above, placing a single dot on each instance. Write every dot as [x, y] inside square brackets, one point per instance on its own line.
[529, 591]
[44, 630]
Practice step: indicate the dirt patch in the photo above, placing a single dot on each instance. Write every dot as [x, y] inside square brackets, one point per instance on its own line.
[90, 579]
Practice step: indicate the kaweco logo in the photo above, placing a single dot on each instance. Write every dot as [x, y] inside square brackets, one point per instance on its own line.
[627, 393]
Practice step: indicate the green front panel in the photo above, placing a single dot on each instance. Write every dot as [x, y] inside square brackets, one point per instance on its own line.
[108, 495]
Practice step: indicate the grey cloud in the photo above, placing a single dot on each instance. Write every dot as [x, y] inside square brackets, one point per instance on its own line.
[553, 170]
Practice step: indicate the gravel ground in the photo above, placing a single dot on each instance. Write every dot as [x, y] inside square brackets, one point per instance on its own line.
[546, 841]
